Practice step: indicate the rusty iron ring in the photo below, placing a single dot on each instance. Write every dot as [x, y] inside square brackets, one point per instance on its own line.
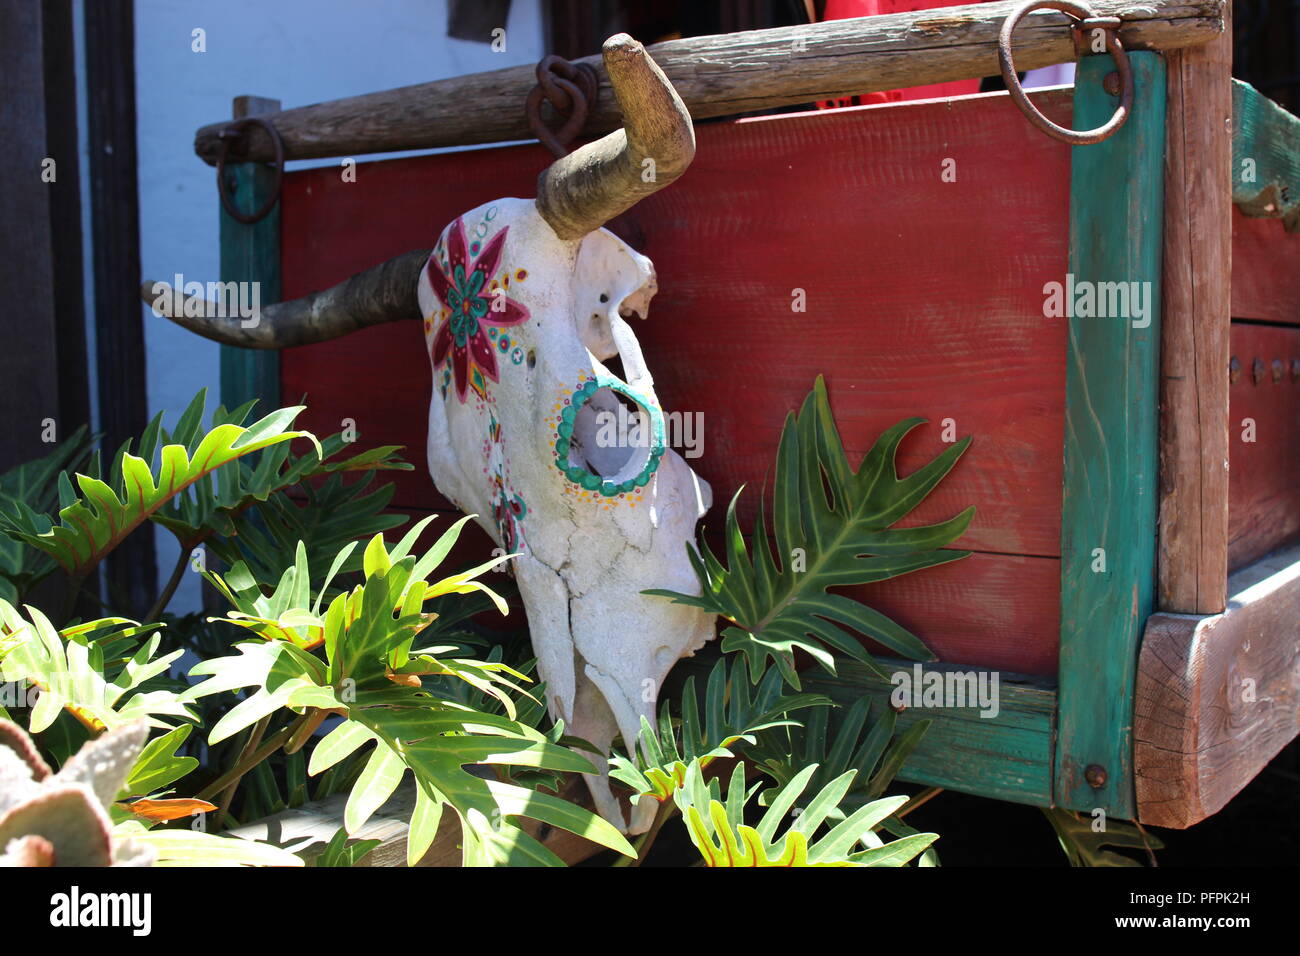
[233, 138]
[1086, 20]
[549, 68]
[569, 88]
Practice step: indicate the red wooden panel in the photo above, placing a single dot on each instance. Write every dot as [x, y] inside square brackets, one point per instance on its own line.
[924, 297]
[1265, 270]
[990, 609]
[1264, 475]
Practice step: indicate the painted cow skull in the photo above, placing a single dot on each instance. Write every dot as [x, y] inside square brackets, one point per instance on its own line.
[532, 427]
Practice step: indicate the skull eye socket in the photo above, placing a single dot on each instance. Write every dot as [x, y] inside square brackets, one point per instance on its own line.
[609, 436]
[610, 440]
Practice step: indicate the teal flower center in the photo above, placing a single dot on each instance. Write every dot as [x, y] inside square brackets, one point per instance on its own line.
[466, 304]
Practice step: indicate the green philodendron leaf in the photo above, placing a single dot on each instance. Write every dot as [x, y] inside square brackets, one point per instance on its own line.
[838, 740]
[185, 847]
[33, 487]
[212, 505]
[1084, 838]
[340, 851]
[733, 718]
[98, 514]
[372, 678]
[784, 837]
[324, 519]
[424, 822]
[379, 778]
[158, 766]
[436, 741]
[71, 676]
[832, 527]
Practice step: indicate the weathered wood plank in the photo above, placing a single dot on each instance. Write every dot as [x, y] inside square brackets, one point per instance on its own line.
[1265, 277]
[1264, 483]
[1217, 696]
[251, 253]
[1007, 756]
[1265, 157]
[997, 611]
[1109, 509]
[728, 74]
[1193, 557]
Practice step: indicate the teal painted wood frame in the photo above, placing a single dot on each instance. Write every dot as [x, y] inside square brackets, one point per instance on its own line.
[251, 253]
[1109, 508]
[1005, 755]
[1265, 157]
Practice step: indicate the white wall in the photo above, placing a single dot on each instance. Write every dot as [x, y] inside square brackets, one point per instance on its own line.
[296, 51]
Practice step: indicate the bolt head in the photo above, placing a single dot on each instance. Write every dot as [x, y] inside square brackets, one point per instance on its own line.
[1257, 370]
[1095, 775]
[1234, 371]
[1111, 83]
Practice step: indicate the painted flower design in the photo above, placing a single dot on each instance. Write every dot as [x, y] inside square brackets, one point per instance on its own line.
[509, 512]
[474, 309]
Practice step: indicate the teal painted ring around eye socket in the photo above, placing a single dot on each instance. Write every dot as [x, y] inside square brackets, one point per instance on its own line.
[564, 429]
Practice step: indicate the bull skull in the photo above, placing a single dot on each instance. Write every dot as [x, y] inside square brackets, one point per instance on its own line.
[562, 459]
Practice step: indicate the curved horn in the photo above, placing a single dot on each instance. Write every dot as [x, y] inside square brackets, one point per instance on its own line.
[383, 293]
[587, 188]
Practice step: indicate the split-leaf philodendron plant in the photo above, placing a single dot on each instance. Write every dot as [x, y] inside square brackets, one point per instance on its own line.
[350, 665]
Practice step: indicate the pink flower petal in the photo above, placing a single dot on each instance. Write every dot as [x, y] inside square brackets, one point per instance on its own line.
[512, 313]
[490, 257]
[460, 365]
[441, 343]
[484, 357]
[438, 279]
[456, 248]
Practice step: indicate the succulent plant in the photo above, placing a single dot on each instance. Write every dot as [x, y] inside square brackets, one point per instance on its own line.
[62, 819]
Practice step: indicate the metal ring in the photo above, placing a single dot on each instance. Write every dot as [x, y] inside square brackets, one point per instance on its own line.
[584, 74]
[568, 87]
[556, 141]
[1086, 19]
[232, 134]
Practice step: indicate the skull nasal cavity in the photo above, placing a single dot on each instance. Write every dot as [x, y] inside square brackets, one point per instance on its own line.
[610, 436]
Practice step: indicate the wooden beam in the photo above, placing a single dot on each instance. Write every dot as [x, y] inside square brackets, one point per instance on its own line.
[1217, 696]
[251, 253]
[727, 74]
[1265, 281]
[1194, 334]
[1108, 516]
[43, 323]
[1265, 157]
[115, 232]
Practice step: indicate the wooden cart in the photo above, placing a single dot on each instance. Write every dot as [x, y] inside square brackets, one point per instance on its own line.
[1137, 479]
